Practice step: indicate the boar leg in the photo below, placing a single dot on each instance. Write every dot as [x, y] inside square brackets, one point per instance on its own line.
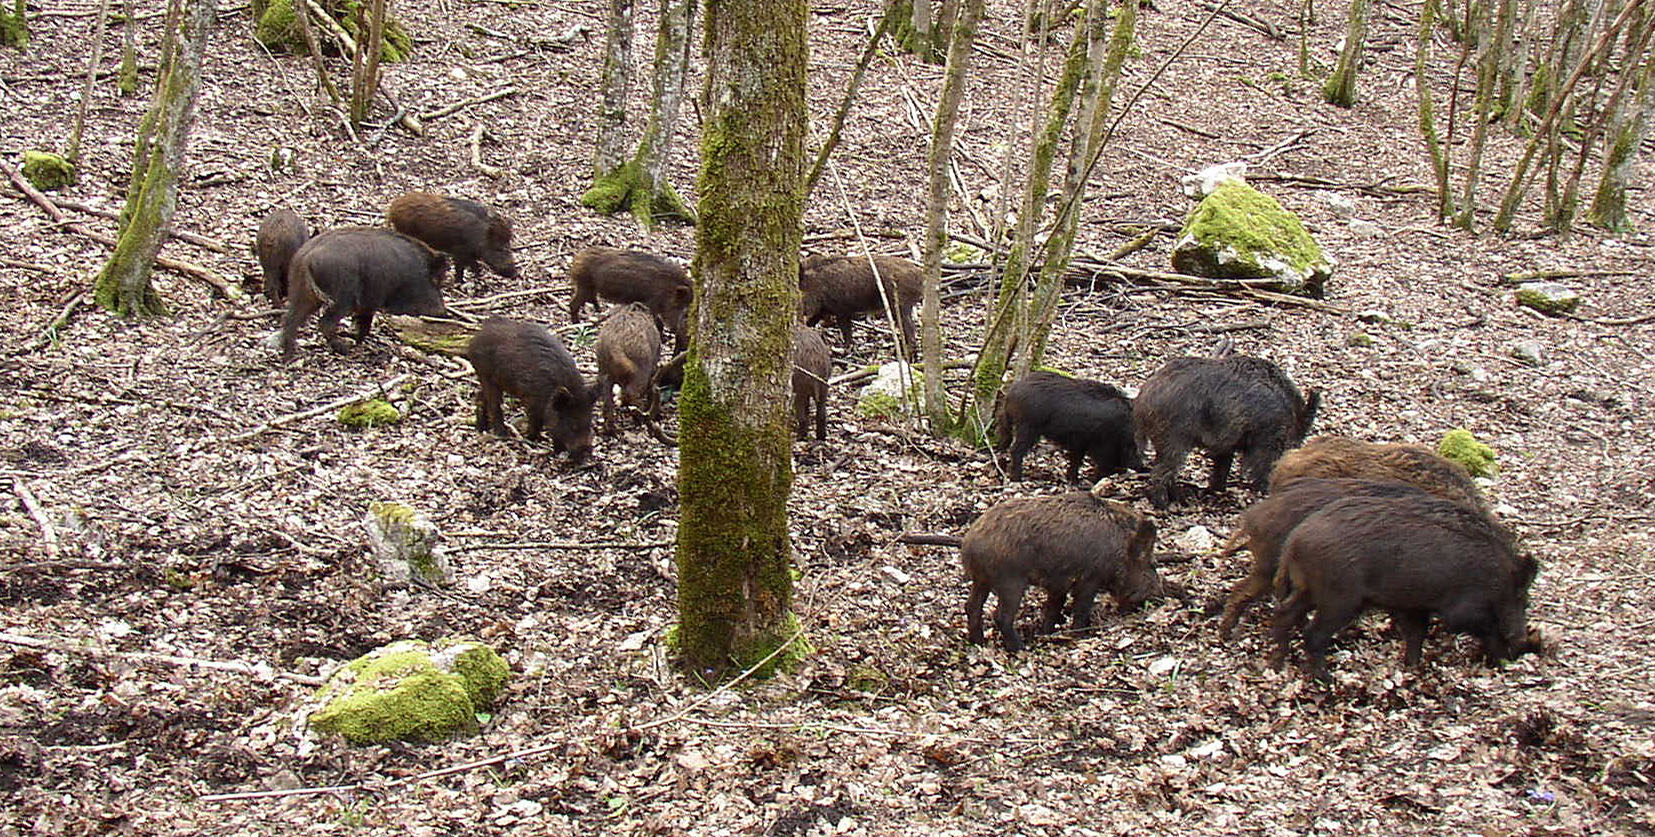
[364, 321]
[1411, 624]
[537, 417]
[1289, 616]
[1051, 612]
[1245, 592]
[1221, 468]
[607, 387]
[1023, 441]
[974, 612]
[1086, 594]
[821, 413]
[1009, 596]
[1163, 475]
[329, 324]
[1319, 635]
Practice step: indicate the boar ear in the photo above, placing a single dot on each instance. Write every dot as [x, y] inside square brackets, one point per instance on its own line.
[1312, 402]
[1143, 540]
[563, 398]
[681, 294]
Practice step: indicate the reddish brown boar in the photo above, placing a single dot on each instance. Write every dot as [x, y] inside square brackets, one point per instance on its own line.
[843, 287]
[633, 276]
[466, 230]
[1341, 456]
[281, 234]
[628, 350]
[812, 366]
[1069, 544]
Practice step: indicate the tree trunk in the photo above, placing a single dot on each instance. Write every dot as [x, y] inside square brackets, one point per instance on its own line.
[1008, 316]
[1626, 135]
[1486, 63]
[654, 196]
[1427, 118]
[365, 61]
[123, 286]
[735, 470]
[936, 210]
[617, 76]
[128, 83]
[1106, 55]
[886, 22]
[73, 155]
[921, 28]
[14, 27]
[1340, 89]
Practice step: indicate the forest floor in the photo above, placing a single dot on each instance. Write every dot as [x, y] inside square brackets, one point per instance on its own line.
[184, 522]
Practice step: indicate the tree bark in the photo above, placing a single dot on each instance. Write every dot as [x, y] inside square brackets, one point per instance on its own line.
[654, 196]
[14, 27]
[123, 286]
[936, 210]
[1427, 118]
[73, 155]
[1340, 89]
[1625, 137]
[365, 61]
[128, 83]
[617, 77]
[735, 586]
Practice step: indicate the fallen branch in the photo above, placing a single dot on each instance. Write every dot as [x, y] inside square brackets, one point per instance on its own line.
[462, 105]
[550, 545]
[1376, 188]
[493, 172]
[483, 302]
[1538, 275]
[192, 238]
[314, 411]
[48, 535]
[1615, 321]
[918, 539]
[1263, 27]
[169, 659]
[1200, 132]
[40, 268]
[1090, 270]
[864, 374]
[42, 566]
[33, 194]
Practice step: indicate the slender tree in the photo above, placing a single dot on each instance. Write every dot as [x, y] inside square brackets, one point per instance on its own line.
[1625, 136]
[886, 21]
[936, 209]
[73, 154]
[617, 77]
[123, 286]
[128, 83]
[1341, 86]
[735, 586]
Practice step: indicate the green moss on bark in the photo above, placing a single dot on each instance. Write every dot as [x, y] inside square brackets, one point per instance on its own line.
[14, 26]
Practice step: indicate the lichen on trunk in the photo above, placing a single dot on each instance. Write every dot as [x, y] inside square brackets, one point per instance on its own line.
[735, 585]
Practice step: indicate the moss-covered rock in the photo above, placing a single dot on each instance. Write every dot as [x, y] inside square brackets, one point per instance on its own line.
[884, 399]
[370, 413]
[406, 544]
[411, 691]
[1460, 446]
[1238, 232]
[275, 26]
[1547, 297]
[47, 172]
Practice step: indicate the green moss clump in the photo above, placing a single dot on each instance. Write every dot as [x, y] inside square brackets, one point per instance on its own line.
[1238, 232]
[1460, 446]
[1359, 339]
[1547, 297]
[371, 413]
[276, 28]
[406, 691]
[865, 678]
[48, 172]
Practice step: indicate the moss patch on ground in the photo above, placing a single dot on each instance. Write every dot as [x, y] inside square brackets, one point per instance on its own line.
[1460, 446]
[47, 172]
[371, 413]
[411, 691]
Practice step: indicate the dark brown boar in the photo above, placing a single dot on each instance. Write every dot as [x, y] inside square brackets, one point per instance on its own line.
[1416, 556]
[359, 271]
[628, 349]
[1228, 405]
[1066, 544]
[812, 366]
[843, 287]
[466, 230]
[281, 234]
[1266, 524]
[1341, 456]
[633, 276]
[1085, 418]
[527, 361]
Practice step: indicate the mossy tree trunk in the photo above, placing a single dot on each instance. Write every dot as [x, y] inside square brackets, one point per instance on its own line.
[1008, 317]
[14, 27]
[128, 82]
[735, 586]
[936, 210]
[1340, 89]
[1427, 116]
[639, 185]
[1626, 136]
[617, 77]
[1106, 55]
[123, 286]
[365, 61]
[922, 27]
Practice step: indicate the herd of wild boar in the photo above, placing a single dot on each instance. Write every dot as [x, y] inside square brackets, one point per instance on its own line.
[1346, 525]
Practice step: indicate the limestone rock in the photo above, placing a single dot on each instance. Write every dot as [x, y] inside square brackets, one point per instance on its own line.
[1529, 352]
[1238, 232]
[411, 691]
[47, 172]
[883, 398]
[1202, 183]
[1547, 297]
[405, 544]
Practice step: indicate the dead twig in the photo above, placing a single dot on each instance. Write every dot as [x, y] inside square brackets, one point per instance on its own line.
[181, 235]
[1611, 321]
[493, 172]
[462, 105]
[554, 545]
[1263, 27]
[48, 534]
[920, 539]
[314, 411]
[1565, 273]
[169, 659]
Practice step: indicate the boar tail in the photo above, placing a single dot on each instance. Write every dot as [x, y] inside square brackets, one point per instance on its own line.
[299, 277]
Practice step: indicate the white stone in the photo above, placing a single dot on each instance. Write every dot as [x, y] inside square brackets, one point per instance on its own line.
[1342, 205]
[1203, 182]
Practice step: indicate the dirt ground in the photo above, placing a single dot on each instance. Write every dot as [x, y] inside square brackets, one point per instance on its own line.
[186, 522]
